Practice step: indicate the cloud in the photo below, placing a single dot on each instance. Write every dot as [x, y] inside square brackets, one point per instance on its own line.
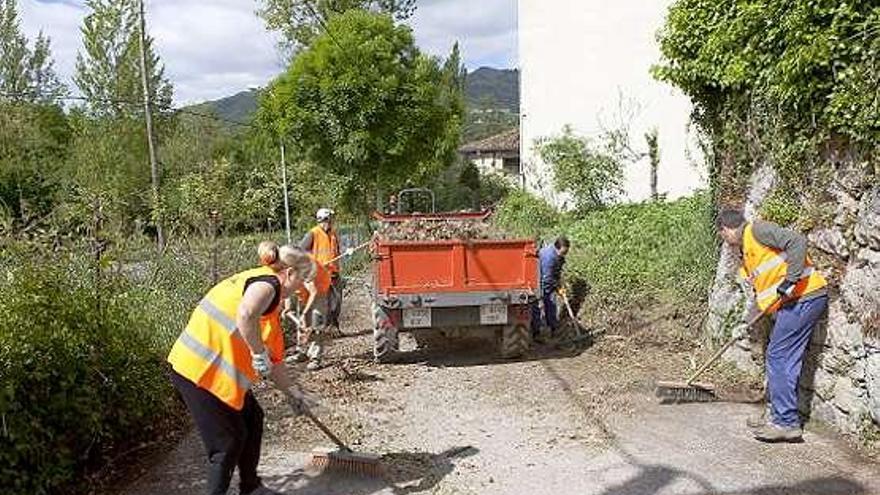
[486, 30]
[216, 48]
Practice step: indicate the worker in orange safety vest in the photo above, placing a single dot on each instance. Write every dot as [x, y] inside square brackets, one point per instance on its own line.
[233, 340]
[322, 242]
[787, 285]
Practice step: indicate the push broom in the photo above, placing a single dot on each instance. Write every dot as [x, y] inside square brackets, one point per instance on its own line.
[341, 459]
[692, 391]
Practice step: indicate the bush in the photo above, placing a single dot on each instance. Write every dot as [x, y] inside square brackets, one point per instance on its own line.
[591, 173]
[82, 360]
[80, 371]
[524, 214]
[658, 251]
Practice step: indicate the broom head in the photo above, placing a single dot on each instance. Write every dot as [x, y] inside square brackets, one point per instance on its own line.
[682, 392]
[346, 461]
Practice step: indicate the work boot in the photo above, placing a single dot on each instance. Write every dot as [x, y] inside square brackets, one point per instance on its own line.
[314, 365]
[772, 432]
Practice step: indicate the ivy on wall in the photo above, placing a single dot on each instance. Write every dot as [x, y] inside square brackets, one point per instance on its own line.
[777, 80]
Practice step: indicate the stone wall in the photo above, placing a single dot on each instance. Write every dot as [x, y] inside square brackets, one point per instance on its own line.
[840, 384]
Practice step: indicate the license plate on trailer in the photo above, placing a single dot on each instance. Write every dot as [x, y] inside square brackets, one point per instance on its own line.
[493, 314]
[416, 317]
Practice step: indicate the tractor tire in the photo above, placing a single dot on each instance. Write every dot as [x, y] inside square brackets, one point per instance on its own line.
[515, 341]
[385, 344]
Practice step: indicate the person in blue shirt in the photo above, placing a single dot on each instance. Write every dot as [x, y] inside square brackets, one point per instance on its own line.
[551, 259]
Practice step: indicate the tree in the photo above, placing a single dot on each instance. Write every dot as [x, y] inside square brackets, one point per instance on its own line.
[33, 130]
[652, 139]
[591, 174]
[299, 21]
[26, 74]
[108, 70]
[366, 105]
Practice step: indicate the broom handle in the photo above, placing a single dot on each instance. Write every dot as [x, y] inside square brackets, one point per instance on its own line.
[356, 249]
[326, 431]
[729, 343]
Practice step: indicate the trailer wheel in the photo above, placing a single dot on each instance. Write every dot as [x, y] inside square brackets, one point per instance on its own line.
[385, 336]
[515, 341]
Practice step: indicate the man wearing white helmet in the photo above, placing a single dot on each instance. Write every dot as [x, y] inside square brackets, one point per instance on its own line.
[323, 243]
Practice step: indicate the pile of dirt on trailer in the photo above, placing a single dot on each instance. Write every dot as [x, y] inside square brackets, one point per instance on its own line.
[440, 230]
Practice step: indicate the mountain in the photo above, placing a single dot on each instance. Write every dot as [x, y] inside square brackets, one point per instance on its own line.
[239, 107]
[486, 89]
[497, 89]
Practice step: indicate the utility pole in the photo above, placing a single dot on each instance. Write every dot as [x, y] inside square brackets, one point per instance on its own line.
[286, 194]
[148, 117]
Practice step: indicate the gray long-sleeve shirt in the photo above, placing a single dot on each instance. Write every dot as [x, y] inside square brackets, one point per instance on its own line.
[792, 243]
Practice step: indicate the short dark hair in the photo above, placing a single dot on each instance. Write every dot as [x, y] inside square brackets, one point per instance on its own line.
[562, 242]
[731, 218]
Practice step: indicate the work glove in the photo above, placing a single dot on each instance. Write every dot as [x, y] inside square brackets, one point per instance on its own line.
[348, 252]
[261, 363]
[785, 289]
[300, 401]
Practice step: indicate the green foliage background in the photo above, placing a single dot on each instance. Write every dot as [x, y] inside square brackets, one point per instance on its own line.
[777, 81]
[630, 253]
[365, 104]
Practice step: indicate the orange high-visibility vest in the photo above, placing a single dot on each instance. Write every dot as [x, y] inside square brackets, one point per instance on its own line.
[212, 353]
[765, 268]
[322, 281]
[325, 247]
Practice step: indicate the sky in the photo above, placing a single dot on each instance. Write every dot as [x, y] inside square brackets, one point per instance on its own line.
[215, 48]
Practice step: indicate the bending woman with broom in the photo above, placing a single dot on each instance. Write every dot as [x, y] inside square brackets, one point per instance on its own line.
[232, 340]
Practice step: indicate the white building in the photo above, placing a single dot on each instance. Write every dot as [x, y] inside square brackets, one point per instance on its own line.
[586, 63]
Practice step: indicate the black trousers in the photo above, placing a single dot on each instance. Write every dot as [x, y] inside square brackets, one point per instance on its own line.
[232, 438]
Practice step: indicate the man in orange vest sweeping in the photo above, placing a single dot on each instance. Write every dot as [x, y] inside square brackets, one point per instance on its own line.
[323, 243]
[785, 282]
[232, 340]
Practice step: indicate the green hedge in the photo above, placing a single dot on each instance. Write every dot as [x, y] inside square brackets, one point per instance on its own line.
[655, 250]
[79, 372]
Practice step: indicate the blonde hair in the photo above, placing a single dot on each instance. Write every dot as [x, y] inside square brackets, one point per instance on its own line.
[287, 256]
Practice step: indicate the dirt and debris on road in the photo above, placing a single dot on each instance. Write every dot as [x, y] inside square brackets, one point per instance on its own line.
[454, 419]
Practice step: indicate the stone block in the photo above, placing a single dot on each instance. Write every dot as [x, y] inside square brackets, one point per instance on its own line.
[860, 287]
[872, 384]
[867, 229]
[848, 397]
[832, 241]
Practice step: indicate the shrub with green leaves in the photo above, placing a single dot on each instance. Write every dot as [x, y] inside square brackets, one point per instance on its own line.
[80, 371]
[774, 81]
[592, 174]
[524, 214]
[654, 251]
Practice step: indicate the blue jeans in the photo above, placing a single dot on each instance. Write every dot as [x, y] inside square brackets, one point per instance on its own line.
[550, 313]
[785, 356]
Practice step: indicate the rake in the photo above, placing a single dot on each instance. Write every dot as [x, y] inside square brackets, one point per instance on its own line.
[341, 459]
[690, 390]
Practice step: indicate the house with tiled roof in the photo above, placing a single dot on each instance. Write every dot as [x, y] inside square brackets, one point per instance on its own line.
[497, 154]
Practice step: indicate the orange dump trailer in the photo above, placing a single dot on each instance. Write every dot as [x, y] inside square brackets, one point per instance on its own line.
[453, 287]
